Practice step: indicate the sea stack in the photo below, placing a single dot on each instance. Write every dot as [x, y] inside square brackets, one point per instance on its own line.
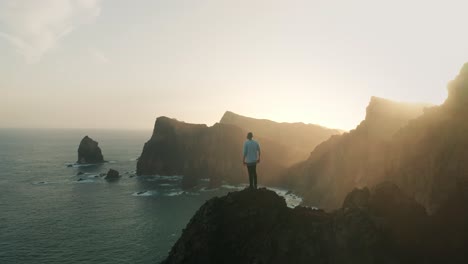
[112, 175]
[89, 152]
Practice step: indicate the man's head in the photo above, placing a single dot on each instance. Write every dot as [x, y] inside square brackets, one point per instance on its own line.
[249, 135]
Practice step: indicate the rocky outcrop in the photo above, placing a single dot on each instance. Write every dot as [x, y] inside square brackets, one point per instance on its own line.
[298, 138]
[89, 151]
[354, 159]
[112, 175]
[197, 151]
[429, 157]
[381, 225]
[258, 227]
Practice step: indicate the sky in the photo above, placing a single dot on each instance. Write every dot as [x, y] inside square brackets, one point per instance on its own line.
[121, 63]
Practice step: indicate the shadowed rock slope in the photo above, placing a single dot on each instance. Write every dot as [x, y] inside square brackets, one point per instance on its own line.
[379, 226]
[198, 151]
[299, 138]
[354, 159]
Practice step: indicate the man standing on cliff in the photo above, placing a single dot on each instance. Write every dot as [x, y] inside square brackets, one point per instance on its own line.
[251, 158]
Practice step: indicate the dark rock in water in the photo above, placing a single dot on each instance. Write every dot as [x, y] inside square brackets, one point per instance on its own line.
[89, 151]
[79, 173]
[102, 174]
[80, 179]
[69, 165]
[142, 192]
[112, 175]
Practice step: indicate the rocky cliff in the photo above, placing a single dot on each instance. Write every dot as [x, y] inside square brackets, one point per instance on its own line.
[354, 159]
[198, 151]
[429, 157]
[89, 151]
[299, 138]
[382, 225]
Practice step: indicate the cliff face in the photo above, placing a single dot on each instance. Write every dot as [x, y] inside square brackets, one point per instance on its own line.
[198, 151]
[379, 226]
[89, 151]
[429, 157]
[298, 138]
[354, 159]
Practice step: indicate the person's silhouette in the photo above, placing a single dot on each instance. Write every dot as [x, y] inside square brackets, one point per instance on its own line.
[251, 158]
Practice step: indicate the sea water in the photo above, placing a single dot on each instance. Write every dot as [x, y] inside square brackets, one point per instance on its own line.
[49, 214]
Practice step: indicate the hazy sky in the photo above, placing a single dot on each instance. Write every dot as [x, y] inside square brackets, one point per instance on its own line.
[122, 63]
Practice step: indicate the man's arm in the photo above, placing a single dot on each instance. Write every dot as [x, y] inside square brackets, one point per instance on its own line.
[245, 154]
[259, 153]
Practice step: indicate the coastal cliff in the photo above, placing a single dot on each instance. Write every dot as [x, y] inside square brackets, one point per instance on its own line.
[424, 150]
[429, 157]
[382, 225]
[354, 159]
[197, 151]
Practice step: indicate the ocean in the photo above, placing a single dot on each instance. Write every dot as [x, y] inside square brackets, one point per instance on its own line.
[49, 214]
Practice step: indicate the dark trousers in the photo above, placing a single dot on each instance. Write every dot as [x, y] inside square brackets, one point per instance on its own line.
[252, 168]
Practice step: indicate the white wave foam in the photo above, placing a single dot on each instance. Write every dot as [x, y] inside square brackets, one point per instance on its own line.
[162, 178]
[291, 199]
[84, 181]
[166, 184]
[151, 180]
[232, 187]
[174, 193]
[82, 165]
[192, 193]
[204, 189]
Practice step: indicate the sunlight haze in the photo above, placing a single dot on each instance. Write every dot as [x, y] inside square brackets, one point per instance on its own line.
[121, 64]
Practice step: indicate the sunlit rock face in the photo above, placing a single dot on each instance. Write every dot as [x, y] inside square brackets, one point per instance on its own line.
[354, 159]
[89, 151]
[424, 150]
[198, 151]
[429, 157]
[298, 138]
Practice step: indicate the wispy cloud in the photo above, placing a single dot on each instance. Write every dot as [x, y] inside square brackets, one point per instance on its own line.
[34, 27]
[99, 56]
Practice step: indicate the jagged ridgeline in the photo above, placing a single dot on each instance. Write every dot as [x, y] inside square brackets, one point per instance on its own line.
[429, 158]
[422, 149]
[298, 138]
[198, 151]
